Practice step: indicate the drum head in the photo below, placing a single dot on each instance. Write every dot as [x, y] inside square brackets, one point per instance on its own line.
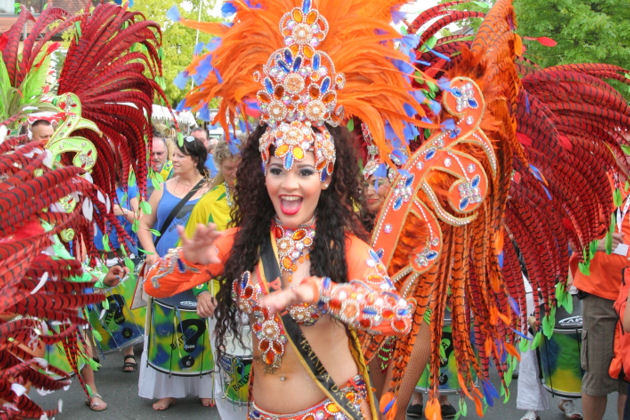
[569, 323]
[185, 301]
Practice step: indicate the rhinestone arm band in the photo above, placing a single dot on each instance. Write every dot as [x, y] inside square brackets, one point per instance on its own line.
[361, 306]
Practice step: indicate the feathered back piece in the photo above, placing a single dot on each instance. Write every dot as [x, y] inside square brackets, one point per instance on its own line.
[555, 134]
[360, 44]
[105, 67]
[47, 195]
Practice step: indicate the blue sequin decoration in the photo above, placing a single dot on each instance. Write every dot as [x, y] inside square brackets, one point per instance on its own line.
[284, 66]
[297, 63]
[288, 57]
[268, 86]
[473, 103]
[244, 280]
[409, 181]
[380, 252]
[369, 311]
[430, 154]
[475, 181]
[325, 84]
[306, 6]
[431, 255]
[316, 60]
[288, 161]
[398, 203]
[463, 204]
[456, 92]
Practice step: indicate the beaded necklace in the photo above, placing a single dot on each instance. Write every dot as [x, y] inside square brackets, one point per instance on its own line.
[293, 245]
[228, 194]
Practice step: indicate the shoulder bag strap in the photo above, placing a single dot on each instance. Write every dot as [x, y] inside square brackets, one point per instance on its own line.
[177, 208]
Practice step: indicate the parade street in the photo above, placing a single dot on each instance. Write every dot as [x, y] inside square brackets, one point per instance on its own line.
[120, 391]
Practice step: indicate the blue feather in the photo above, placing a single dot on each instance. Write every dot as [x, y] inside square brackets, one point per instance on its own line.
[409, 110]
[397, 16]
[213, 44]
[181, 79]
[444, 83]
[410, 132]
[403, 66]
[435, 107]
[203, 69]
[173, 14]
[448, 124]
[181, 105]
[219, 78]
[204, 113]
[440, 55]
[228, 9]
[420, 97]
[198, 48]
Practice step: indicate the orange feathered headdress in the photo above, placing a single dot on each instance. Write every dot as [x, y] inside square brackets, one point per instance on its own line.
[359, 42]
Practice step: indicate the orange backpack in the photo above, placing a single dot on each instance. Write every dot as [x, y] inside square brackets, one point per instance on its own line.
[620, 364]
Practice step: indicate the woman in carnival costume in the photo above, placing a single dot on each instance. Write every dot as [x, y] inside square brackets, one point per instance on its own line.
[295, 263]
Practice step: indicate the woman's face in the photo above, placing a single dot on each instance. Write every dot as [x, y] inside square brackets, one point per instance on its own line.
[228, 168]
[294, 193]
[182, 164]
[375, 197]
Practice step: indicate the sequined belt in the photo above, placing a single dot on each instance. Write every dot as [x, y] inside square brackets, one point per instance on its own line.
[355, 391]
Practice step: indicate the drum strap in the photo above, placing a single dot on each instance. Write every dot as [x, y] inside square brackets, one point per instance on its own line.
[309, 359]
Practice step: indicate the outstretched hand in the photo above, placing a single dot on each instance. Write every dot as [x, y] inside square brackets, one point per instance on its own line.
[200, 248]
[303, 293]
[114, 275]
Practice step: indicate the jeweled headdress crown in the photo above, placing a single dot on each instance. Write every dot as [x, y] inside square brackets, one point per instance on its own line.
[299, 93]
[314, 62]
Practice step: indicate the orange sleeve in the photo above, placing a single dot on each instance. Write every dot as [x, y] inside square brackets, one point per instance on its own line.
[369, 300]
[172, 274]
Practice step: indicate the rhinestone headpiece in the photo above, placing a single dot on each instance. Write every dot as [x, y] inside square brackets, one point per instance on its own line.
[373, 161]
[299, 93]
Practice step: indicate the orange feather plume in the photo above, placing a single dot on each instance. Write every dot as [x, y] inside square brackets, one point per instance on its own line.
[360, 42]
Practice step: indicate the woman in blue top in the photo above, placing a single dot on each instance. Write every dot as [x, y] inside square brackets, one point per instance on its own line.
[188, 171]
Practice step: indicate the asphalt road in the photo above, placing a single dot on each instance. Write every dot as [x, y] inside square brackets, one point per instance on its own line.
[120, 391]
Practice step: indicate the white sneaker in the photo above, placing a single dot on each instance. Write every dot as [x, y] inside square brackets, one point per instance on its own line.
[530, 415]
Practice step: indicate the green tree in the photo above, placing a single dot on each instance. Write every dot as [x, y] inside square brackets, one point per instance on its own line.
[585, 30]
[178, 41]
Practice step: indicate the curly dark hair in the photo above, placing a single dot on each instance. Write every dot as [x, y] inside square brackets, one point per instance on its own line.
[253, 212]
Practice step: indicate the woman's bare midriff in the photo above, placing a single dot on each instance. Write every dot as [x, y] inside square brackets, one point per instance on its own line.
[290, 389]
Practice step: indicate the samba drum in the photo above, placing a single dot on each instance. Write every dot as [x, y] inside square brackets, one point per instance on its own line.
[559, 356]
[178, 340]
[118, 325]
[235, 367]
